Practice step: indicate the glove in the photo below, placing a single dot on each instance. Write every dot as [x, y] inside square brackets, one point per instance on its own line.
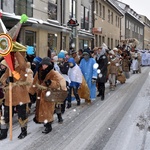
[48, 82]
[93, 80]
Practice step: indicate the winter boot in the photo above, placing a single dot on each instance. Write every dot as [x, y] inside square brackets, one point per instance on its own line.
[100, 92]
[103, 93]
[60, 119]
[3, 134]
[69, 105]
[78, 102]
[63, 106]
[102, 98]
[23, 133]
[48, 128]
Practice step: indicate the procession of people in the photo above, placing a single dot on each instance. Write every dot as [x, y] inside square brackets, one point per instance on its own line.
[76, 75]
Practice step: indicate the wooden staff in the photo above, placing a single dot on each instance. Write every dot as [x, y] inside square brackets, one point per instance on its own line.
[10, 107]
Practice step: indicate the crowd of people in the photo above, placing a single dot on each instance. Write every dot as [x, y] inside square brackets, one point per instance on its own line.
[81, 74]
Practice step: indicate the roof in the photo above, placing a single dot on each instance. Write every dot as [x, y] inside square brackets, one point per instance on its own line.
[115, 5]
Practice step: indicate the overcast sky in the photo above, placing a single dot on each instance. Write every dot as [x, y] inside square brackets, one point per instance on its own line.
[139, 6]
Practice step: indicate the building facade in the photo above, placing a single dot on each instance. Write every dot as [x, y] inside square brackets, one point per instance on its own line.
[47, 27]
[107, 23]
[131, 25]
[146, 22]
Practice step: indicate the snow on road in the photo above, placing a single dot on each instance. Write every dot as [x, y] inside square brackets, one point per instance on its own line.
[132, 132]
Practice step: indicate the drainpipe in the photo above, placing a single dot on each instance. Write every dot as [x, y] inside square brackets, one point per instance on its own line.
[61, 21]
[121, 27]
[93, 23]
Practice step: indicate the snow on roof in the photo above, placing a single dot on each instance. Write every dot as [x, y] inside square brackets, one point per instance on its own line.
[124, 7]
[12, 15]
[113, 2]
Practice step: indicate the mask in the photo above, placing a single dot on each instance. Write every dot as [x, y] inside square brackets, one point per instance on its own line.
[86, 57]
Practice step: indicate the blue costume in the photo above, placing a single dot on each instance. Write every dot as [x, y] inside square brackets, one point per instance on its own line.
[90, 73]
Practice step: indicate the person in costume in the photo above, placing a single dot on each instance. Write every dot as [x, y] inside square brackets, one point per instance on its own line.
[102, 62]
[113, 69]
[55, 61]
[75, 76]
[64, 67]
[45, 78]
[20, 97]
[89, 72]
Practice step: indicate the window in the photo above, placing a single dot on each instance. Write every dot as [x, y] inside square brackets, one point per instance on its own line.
[112, 45]
[24, 7]
[103, 12]
[30, 38]
[52, 41]
[117, 21]
[127, 25]
[141, 31]
[103, 39]
[112, 17]
[100, 42]
[97, 7]
[84, 18]
[86, 43]
[96, 42]
[83, 44]
[52, 9]
[108, 42]
[64, 42]
[116, 42]
[72, 9]
[100, 9]
[63, 12]
[6, 6]
[108, 15]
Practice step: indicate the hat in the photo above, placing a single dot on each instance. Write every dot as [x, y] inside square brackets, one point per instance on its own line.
[65, 52]
[37, 59]
[30, 50]
[46, 61]
[115, 49]
[4, 63]
[111, 52]
[73, 52]
[61, 55]
[86, 52]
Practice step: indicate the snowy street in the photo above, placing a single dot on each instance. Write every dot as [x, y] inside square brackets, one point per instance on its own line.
[120, 122]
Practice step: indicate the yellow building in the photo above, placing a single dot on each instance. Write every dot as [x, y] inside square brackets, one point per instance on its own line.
[107, 23]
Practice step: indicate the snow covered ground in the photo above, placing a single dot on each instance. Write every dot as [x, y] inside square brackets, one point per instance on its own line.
[132, 133]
